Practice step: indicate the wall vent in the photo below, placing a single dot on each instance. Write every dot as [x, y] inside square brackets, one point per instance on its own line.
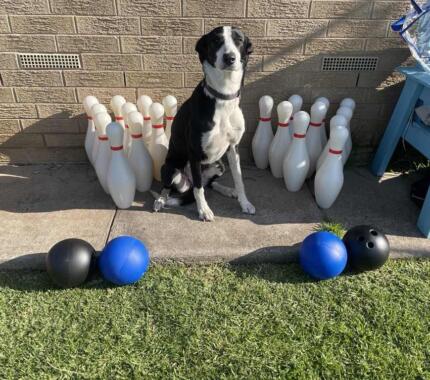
[349, 63]
[49, 61]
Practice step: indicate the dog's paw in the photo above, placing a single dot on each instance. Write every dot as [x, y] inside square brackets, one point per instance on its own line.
[232, 193]
[247, 207]
[206, 214]
[159, 204]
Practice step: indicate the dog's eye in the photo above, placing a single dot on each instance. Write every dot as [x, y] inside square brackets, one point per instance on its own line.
[239, 39]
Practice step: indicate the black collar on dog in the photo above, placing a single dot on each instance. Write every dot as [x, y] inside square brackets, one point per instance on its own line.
[218, 95]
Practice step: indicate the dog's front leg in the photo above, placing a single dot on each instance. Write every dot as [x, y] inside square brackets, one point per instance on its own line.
[234, 162]
[205, 213]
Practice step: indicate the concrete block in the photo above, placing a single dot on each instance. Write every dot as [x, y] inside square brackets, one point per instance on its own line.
[171, 63]
[20, 7]
[82, 44]
[220, 8]
[42, 24]
[341, 9]
[154, 80]
[83, 7]
[357, 28]
[32, 78]
[113, 62]
[297, 28]
[149, 8]
[45, 95]
[108, 25]
[50, 126]
[27, 43]
[151, 45]
[94, 78]
[161, 26]
[251, 27]
[17, 111]
[294, 9]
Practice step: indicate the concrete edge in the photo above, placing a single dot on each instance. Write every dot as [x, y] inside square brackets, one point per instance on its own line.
[270, 255]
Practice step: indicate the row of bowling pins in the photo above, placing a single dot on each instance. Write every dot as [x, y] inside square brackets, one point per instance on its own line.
[295, 153]
[130, 151]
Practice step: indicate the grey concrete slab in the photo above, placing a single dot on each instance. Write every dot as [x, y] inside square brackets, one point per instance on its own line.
[40, 205]
[282, 221]
[384, 202]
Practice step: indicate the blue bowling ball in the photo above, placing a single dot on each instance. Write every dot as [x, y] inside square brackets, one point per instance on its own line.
[124, 260]
[323, 255]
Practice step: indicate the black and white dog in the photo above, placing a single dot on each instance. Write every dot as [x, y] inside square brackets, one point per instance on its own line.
[210, 123]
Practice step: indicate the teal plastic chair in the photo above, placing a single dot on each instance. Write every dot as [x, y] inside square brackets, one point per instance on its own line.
[404, 125]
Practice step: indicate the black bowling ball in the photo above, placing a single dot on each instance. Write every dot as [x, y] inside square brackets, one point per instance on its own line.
[368, 248]
[69, 262]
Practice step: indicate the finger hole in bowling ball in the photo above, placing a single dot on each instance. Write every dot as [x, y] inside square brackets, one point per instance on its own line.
[361, 238]
[373, 232]
[370, 244]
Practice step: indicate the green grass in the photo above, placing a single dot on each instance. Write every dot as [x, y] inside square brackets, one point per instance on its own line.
[336, 228]
[218, 322]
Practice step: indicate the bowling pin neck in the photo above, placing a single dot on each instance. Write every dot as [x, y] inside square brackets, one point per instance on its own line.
[119, 117]
[103, 138]
[147, 118]
[334, 152]
[157, 129]
[170, 118]
[299, 136]
[283, 125]
[117, 148]
[315, 124]
[265, 119]
[136, 135]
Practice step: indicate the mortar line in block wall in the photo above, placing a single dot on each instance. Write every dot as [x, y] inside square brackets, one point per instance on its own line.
[115, 3]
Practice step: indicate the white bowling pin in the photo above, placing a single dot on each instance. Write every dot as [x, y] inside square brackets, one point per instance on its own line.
[264, 134]
[143, 104]
[88, 102]
[347, 112]
[120, 177]
[297, 102]
[170, 105]
[329, 177]
[159, 143]
[323, 127]
[126, 108]
[313, 136]
[116, 104]
[101, 164]
[138, 155]
[335, 121]
[296, 161]
[348, 102]
[281, 141]
[95, 109]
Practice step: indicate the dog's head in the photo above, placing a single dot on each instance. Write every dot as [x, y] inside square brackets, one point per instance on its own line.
[225, 48]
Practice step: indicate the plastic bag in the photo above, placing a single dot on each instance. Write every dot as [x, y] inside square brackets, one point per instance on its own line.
[414, 28]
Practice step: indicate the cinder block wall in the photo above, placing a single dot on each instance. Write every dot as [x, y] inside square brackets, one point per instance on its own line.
[131, 47]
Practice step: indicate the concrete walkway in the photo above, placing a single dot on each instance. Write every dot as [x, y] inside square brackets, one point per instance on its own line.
[40, 205]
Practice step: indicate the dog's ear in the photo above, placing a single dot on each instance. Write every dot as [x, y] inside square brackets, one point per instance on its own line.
[248, 46]
[202, 47]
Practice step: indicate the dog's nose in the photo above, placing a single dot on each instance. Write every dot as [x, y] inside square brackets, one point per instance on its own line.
[229, 58]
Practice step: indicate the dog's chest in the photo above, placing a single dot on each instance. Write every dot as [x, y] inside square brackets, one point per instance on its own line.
[224, 133]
